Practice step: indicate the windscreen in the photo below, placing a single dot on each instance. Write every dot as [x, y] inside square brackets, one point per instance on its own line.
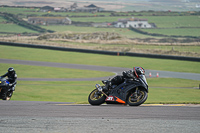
[144, 79]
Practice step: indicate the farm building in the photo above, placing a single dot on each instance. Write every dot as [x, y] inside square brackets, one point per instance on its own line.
[60, 9]
[133, 22]
[46, 8]
[73, 8]
[90, 8]
[100, 24]
[49, 20]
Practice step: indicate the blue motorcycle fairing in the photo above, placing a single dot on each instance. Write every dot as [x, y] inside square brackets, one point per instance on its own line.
[7, 82]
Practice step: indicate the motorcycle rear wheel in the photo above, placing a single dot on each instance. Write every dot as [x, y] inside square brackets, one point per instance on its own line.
[98, 100]
[140, 99]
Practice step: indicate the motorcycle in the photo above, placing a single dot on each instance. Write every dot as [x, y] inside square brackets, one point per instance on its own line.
[131, 88]
[4, 88]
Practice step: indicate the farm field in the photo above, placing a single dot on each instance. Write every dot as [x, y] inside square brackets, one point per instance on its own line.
[125, 5]
[13, 28]
[174, 21]
[180, 31]
[32, 12]
[181, 24]
[160, 21]
[162, 90]
[75, 29]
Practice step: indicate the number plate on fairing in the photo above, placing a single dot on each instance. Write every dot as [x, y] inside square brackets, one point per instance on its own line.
[110, 98]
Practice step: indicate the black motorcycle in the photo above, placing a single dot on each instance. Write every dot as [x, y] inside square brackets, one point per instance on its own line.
[131, 88]
[5, 89]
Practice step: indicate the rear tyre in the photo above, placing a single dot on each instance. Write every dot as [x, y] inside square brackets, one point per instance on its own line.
[95, 98]
[138, 100]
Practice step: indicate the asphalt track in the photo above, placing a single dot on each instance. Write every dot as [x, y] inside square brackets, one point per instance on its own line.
[52, 117]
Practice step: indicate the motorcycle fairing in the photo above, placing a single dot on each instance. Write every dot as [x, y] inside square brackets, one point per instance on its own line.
[119, 100]
[121, 91]
[3, 86]
[111, 98]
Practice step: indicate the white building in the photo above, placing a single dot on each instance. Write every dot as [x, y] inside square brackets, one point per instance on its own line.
[133, 22]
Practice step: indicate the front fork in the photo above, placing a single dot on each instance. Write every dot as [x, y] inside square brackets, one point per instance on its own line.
[100, 89]
[134, 96]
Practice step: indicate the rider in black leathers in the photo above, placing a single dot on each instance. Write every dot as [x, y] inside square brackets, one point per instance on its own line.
[12, 77]
[130, 74]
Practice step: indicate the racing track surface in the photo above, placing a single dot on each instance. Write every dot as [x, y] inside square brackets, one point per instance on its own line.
[52, 117]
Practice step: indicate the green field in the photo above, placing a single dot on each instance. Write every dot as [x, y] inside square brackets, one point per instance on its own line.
[2, 19]
[25, 11]
[70, 28]
[161, 90]
[173, 23]
[178, 31]
[13, 28]
[160, 21]
[27, 71]
[16, 10]
[97, 19]
[170, 25]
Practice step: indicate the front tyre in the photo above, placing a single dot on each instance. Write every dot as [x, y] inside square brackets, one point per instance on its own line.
[96, 98]
[137, 100]
[9, 95]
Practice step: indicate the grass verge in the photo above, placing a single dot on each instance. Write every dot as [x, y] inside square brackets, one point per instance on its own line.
[97, 59]
[27, 71]
[161, 90]
[74, 91]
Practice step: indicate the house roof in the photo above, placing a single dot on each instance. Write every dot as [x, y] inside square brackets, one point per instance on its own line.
[92, 5]
[47, 7]
[48, 18]
[131, 19]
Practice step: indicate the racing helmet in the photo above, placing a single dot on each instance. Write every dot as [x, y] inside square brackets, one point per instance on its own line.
[11, 70]
[138, 71]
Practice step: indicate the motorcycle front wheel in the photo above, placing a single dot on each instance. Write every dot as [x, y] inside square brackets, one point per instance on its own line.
[95, 98]
[137, 100]
[9, 95]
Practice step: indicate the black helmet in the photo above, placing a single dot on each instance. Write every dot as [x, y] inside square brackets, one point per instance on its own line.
[11, 70]
[138, 71]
